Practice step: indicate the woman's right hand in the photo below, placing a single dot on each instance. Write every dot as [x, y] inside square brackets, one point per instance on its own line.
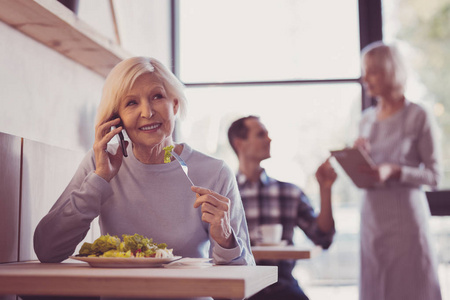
[107, 164]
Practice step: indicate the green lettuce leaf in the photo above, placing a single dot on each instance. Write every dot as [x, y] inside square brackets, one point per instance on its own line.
[167, 154]
[106, 243]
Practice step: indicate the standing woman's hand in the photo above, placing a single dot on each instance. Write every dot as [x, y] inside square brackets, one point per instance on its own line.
[215, 211]
[107, 164]
[386, 171]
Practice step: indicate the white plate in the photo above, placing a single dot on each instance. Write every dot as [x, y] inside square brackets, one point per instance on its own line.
[125, 262]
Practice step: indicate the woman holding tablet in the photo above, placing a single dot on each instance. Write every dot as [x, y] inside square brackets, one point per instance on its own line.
[397, 261]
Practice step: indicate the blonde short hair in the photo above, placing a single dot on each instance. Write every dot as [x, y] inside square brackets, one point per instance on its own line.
[389, 59]
[122, 77]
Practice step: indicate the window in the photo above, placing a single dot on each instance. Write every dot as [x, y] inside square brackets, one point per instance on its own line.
[296, 64]
[264, 40]
[304, 121]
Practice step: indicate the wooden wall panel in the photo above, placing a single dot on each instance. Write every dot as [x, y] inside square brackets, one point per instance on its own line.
[10, 149]
[46, 172]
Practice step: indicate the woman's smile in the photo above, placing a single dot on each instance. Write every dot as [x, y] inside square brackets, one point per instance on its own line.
[151, 127]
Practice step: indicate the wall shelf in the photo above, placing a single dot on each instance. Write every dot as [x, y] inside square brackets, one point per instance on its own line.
[52, 24]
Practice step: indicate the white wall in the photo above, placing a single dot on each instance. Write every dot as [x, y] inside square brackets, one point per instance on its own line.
[143, 25]
[44, 96]
[48, 104]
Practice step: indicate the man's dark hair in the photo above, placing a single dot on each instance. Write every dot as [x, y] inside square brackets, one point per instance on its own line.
[239, 130]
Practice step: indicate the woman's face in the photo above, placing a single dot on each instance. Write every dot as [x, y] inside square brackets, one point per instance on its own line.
[148, 112]
[374, 78]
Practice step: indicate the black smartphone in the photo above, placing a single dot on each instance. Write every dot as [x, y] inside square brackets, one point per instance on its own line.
[120, 137]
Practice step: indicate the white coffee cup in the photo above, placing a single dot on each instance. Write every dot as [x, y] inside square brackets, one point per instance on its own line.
[270, 233]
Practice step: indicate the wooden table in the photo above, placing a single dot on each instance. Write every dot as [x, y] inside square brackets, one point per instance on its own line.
[284, 252]
[79, 279]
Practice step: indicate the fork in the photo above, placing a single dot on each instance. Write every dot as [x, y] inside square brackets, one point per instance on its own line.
[183, 166]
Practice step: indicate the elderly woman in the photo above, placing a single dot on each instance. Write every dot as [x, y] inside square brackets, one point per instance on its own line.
[397, 261]
[140, 193]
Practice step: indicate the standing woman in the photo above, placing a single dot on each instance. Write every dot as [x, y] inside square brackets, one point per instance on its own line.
[397, 261]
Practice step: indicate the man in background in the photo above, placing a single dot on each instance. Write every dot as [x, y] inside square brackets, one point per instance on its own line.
[269, 201]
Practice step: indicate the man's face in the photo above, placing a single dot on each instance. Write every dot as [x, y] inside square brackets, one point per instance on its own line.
[257, 145]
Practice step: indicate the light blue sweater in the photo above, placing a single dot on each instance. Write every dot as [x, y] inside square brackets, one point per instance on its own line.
[152, 200]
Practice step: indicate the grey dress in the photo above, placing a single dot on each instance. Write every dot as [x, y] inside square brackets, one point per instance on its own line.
[397, 260]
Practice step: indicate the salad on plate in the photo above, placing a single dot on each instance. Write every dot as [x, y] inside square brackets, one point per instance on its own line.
[135, 245]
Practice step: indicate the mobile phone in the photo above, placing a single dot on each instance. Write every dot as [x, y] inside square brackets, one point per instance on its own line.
[120, 137]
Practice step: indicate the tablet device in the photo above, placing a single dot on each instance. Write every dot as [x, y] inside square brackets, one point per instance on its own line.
[353, 160]
[439, 202]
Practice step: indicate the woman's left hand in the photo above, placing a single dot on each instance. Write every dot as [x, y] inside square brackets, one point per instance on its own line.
[384, 172]
[387, 171]
[215, 211]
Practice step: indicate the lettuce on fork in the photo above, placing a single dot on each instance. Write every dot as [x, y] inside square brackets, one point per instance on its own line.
[168, 153]
[132, 246]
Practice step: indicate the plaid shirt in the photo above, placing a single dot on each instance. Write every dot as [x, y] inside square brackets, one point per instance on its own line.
[270, 201]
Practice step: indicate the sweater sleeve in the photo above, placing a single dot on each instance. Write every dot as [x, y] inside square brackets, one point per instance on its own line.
[428, 171]
[241, 254]
[68, 221]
